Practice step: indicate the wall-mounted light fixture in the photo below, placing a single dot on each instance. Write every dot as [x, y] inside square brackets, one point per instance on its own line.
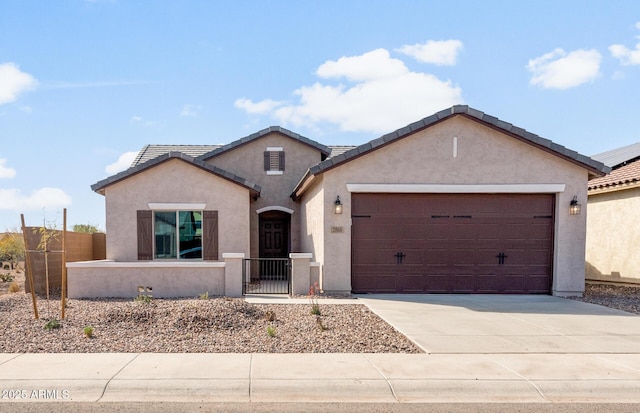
[574, 206]
[337, 206]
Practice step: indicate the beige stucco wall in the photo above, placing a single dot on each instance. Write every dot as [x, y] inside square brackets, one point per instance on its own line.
[312, 216]
[248, 161]
[613, 235]
[175, 181]
[484, 156]
[105, 279]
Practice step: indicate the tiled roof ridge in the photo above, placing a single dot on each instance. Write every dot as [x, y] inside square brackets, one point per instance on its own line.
[322, 148]
[176, 155]
[596, 166]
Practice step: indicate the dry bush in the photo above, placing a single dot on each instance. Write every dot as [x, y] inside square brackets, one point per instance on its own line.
[14, 287]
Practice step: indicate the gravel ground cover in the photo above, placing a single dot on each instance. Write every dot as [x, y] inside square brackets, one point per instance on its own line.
[217, 325]
[625, 298]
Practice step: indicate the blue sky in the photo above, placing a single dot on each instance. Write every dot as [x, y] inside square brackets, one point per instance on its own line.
[85, 84]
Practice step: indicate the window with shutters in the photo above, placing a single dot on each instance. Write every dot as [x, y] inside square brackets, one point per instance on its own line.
[274, 160]
[177, 234]
[182, 234]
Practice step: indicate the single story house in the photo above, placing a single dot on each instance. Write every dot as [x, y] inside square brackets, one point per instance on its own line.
[458, 202]
[613, 224]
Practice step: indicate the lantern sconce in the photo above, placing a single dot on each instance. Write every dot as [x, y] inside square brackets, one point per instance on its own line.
[337, 206]
[574, 206]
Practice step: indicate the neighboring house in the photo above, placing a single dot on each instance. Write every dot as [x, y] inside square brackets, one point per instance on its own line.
[458, 202]
[613, 223]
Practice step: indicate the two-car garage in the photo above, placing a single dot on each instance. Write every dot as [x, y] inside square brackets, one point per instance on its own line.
[452, 243]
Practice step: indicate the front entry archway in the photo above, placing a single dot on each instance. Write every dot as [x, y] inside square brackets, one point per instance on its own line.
[271, 272]
[275, 240]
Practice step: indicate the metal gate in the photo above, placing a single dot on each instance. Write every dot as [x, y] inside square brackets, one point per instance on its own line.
[266, 276]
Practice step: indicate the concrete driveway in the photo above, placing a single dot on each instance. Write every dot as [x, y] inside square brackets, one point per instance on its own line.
[494, 324]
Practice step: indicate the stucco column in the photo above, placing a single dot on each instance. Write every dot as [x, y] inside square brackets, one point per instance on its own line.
[300, 272]
[233, 274]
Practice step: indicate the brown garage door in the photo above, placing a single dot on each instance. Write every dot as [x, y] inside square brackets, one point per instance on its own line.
[452, 243]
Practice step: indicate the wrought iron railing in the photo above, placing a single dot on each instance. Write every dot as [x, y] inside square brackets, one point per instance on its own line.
[266, 276]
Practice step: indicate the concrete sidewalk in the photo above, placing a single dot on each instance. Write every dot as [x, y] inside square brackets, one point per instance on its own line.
[578, 352]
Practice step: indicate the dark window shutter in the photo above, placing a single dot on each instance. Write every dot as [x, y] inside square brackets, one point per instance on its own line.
[267, 161]
[210, 235]
[145, 235]
[281, 159]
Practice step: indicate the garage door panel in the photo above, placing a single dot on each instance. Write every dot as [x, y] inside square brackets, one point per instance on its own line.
[453, 242]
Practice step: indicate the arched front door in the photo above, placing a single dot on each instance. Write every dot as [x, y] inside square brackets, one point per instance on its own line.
[275, 227]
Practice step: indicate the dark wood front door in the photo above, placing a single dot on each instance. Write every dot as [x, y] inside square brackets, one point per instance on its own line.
[274, 235]
[452, 243]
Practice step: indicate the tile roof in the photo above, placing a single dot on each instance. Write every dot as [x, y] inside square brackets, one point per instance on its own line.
[101, 185]
[322, 148]
[595, 167]
[152, 151]
[338, 150]
[619, 156]
[624, 175]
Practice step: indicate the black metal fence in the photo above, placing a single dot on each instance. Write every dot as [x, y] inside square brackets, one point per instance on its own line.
[266, 276]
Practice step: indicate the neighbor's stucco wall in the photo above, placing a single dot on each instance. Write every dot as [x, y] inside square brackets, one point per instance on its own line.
[248, 161]
[484, 156]
[613, 235]
[175, 181]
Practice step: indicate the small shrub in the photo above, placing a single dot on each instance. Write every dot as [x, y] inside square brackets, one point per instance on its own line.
[14, 287]
[271, 331]
[88, 331]
[6, 277]
[204, 296]
[52, 324]
[313, 299]
[145, 299]
[270, 315]
[6, 267]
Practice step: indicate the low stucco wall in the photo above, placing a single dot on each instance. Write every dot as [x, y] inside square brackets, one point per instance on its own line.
[613, 236]
[94, 279]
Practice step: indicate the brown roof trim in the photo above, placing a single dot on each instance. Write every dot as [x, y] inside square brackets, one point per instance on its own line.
[100, 186]
[596, 168]
[272, 129]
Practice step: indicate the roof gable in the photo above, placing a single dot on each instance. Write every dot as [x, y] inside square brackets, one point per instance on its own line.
[100, 186]
[594, 167]
[235, 144]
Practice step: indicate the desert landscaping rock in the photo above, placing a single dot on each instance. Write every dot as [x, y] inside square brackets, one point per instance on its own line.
[218, 325]
[625, 298]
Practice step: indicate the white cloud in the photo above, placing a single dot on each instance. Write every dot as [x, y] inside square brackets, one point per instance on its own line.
[561, 70]
[13, 82]
[6, 172]
[374, 65]
[382, 95]
[190, 110]
[123, 162]
[626, 56]
[136, 118]
[259, 108]
[443, 52]
[14, 200]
